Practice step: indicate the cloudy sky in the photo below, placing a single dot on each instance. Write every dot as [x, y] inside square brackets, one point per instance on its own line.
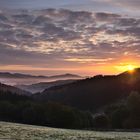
[85, 37]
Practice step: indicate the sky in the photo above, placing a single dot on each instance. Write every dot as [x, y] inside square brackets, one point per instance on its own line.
[84, 37]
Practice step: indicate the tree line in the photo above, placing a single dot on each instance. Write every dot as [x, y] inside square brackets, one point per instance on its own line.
[23, 109]
[124, 114]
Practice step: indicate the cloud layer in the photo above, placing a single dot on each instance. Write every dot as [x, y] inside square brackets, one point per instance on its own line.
[63, 38]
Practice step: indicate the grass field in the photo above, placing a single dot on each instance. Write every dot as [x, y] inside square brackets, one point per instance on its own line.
[12, 131]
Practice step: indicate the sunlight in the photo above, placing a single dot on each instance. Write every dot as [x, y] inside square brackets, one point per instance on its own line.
[130, 68]
[126, 67]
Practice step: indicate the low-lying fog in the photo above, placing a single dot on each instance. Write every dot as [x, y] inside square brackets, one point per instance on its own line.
[27, 81]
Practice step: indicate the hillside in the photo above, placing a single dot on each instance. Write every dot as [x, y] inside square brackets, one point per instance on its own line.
[95, 92]
[20, 75]
[98, 102]
[39, 87]
[12, 89]
[22, 79]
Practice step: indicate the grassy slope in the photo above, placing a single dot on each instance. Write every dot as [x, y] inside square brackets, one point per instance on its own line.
[13, 131]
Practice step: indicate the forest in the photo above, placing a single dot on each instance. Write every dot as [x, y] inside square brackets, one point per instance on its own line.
[124, 114]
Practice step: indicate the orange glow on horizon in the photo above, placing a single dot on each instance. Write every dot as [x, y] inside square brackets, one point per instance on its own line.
[84, 69]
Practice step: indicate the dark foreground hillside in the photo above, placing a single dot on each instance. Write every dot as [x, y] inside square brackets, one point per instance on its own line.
[93, 93]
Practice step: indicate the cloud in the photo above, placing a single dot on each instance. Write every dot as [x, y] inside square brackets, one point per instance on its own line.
[66, 38]
[133, 4]
[107, 16]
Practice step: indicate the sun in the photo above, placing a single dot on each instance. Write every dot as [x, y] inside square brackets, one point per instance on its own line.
[126, 67]
[130, 68]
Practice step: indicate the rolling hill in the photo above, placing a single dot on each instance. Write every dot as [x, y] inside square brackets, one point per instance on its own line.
[20, 75]
[39, 87]
[22, 79]
[95, 92]
[12, 89]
